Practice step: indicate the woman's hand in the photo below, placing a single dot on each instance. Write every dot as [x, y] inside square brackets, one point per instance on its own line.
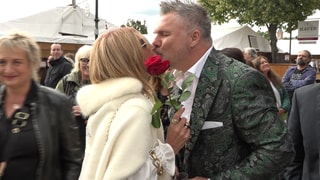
[281, 111]
[2, 167]
[76, 111]
[178, 131]
[199, 178]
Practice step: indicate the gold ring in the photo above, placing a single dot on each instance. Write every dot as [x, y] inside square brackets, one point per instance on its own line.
[187, 126]
[175, 121]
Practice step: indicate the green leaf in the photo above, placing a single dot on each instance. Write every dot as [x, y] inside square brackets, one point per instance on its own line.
[184, 96]
[157, 105]
[174, 100]
[175, 97]
[174, 103]
[156, 120]
[187, 82]
[177, 74]
[167, 80]
[177, 107]
[169, 77]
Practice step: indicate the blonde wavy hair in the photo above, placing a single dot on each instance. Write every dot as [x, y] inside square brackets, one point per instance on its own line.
[16, 41]
[119, 53]
[83, 52]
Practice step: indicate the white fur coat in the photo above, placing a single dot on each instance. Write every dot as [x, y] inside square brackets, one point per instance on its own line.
[119, 132]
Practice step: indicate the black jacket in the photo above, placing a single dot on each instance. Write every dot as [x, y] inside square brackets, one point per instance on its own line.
[56, 134]
[56, 71]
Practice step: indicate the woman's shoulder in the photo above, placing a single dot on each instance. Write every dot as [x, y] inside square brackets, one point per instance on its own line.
[136, 107]
[139, 99]
[51, 94]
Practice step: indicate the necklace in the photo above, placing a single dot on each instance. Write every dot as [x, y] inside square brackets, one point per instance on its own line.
[20, 120]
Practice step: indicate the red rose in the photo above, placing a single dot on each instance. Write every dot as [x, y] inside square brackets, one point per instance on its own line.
[156, 66]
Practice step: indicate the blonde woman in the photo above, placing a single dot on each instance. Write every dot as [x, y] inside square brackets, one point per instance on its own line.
[71, 83]
[39, 130]
[121, 142]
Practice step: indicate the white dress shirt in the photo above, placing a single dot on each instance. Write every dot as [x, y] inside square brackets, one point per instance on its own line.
[196, 71]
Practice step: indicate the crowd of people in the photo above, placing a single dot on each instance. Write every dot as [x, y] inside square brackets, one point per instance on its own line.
[92, 118]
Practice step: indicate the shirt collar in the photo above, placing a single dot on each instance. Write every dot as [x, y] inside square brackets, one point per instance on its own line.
[198, 66]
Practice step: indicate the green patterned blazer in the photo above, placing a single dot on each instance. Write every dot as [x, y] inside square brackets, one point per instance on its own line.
[253, 142]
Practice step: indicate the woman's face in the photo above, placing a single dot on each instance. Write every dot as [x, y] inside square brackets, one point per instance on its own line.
[264, 65]
[146, 47]
[84, 68]
[15, 68]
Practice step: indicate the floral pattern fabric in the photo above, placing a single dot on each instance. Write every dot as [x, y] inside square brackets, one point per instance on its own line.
[253, 142]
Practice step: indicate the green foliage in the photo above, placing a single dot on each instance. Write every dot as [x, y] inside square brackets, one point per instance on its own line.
[173, 100]
[264, 34]
[272, 14]
[138, 25]
[156, 113]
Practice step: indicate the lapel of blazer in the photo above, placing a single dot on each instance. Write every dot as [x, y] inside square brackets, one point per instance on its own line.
[317, 113]
[204, 96]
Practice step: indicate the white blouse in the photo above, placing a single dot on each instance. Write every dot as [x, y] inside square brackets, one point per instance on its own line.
[276, 94]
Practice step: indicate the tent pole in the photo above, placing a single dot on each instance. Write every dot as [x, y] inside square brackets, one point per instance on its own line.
[96, 20]
[290, 42]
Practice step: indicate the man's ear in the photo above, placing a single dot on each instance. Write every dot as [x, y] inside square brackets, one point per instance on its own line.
[195, 37]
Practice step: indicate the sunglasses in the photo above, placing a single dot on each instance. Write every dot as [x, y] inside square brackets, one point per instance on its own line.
[85, 60]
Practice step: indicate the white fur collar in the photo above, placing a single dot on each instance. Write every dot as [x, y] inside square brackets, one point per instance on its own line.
[91, 97]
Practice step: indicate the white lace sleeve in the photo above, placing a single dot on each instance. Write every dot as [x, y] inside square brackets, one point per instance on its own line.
[164, 153]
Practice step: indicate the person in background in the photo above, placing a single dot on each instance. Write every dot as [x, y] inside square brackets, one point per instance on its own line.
[249, 53]
[58, 65]
[300, 75]
[120, 136]
[71, 83]
[236, 132]
[261, 63]
[2, 147]
[234, 53]
[39, 129]
[237, 54]
[70, 57]
[304, 127]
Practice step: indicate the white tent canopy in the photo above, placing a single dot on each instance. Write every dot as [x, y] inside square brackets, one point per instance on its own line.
[238, 37]
[69, 24]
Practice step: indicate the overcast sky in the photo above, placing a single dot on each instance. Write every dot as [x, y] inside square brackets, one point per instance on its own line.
[114, 11]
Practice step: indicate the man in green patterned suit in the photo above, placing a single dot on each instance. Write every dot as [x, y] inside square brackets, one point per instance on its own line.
[236, 132]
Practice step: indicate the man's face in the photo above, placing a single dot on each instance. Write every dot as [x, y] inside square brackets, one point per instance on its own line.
[56, 51]
[171, 41]
[303, 58]
[247, 56]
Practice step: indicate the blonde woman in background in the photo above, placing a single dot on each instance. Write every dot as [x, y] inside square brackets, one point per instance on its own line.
[71, 83]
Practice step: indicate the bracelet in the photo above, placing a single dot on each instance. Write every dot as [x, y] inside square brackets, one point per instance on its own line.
[156, 162]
